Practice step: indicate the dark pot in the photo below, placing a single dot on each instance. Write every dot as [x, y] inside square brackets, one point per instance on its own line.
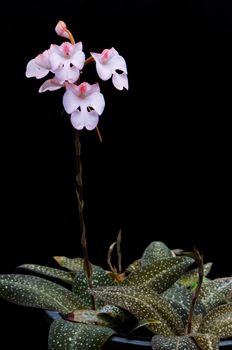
[120, 342]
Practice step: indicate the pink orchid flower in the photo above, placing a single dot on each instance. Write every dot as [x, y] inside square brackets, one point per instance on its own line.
[85, 103]
[108, 63]
[66, 61]
[39, 66]
[61, 29]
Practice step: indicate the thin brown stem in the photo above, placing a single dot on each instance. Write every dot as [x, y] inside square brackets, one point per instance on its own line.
[99, 134]
[89, 60]
[79, 193]
[199, 261]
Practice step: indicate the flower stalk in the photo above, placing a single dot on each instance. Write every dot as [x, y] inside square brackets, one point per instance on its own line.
[79, 193]
[200, 263]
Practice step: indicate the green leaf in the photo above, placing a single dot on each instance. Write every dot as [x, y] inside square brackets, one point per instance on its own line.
[155, 251]
[180, 298]
[218, 321]
[65, 335]
[173, 343]
[206, 341]
[71, 264]
[114, 313]
[49, 271]
[80, 287]
[37, 292]
[161, 274]
[134, 266]
[190, 278]
[144, 304]
[214, 293]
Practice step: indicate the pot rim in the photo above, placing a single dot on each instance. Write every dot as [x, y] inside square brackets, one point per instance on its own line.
[136, 341]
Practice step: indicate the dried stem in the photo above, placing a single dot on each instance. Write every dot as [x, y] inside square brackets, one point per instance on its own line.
[79, 193]
[200, 263]
[119, 253]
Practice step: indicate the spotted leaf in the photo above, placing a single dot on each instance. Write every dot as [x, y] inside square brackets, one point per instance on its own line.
[173, 343]
[144, 304]
[180, 298]
[206, 341]
[218, 321]
[68, 335]
[155, 251]
[134, 266]
[114, 315]
[161, 274]
[37, 292]
[71, 264]
[190, 278]
[214, 293]
[80, 287]
[49, 271]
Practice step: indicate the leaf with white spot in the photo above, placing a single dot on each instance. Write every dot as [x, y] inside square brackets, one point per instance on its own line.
[68, 335]
[50, 272]
[134, 266]
[155, 251]
[72, 264]
[144, 304]
[180, 298]
[190, 278]
[173, 343]
[218, 321]
[37, 292]
[80, 287]
[214, 293]
[115, 316]
[161, 274]
[206, 341]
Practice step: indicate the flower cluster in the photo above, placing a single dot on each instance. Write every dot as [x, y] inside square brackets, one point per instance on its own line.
[83, 101]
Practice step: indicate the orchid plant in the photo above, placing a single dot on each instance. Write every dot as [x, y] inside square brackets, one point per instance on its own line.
[181, 309]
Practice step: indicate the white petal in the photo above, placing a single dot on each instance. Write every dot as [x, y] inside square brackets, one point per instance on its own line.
[70, 101]
[120, 81]
[96, 56]
[79, 46]
[118, 62]
[34, 70]
[86, 119]
[104, 71]
[43, 59]
[97, 102]
[51, 85]
[67, 73]
[78, 59]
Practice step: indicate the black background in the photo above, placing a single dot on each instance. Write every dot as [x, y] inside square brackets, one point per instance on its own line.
[163, 170]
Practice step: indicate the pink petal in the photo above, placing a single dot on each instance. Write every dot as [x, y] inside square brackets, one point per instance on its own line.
[34, 70]
[70, 101]
[51, 85]
[61, 29]
[120, 81]
[81, 119]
